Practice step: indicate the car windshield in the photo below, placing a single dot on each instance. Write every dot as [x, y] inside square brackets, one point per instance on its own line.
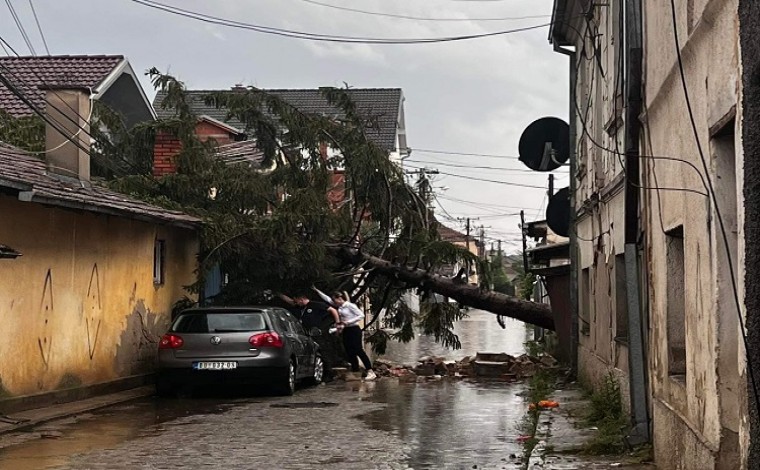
[215, 322]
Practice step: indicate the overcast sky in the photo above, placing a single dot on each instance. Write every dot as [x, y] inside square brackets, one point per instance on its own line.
[472, 96]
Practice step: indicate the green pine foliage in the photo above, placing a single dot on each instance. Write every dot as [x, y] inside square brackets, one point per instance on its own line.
[276, 230]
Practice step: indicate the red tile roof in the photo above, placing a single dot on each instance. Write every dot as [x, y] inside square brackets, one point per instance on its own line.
[22, 171]
[31, 74]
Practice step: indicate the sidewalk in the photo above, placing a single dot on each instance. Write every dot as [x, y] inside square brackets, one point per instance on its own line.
[562, 438]
[29, 418]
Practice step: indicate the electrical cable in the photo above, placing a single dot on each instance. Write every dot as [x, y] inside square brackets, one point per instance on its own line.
[20, 27]
[454, 165]
[711, 189]
[419, 18]
[473, 178]
[466, 154]
[322, 37]
[39, 27]
[55, 124]
[26, 85]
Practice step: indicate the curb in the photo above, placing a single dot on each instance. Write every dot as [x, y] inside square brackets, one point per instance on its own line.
[34, 417]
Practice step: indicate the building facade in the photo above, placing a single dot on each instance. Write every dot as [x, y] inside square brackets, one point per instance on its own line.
[657, 119]
[96, 274]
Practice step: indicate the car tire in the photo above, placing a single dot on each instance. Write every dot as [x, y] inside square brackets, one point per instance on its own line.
[318, 372]
[164, 388]
[287, 381]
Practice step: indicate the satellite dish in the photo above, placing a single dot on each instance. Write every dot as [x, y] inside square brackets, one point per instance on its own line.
[558, 212]
[545, 144]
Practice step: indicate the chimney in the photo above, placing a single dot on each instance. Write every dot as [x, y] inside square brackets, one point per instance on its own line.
[165, 151]
[68, 109]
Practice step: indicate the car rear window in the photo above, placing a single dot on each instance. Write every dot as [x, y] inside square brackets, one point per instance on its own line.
[208, 322]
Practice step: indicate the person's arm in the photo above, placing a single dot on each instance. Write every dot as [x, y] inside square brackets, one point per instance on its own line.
[324, 296]
[334, 314]
[286, 299]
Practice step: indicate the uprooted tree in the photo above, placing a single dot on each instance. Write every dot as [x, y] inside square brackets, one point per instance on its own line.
[273, 227]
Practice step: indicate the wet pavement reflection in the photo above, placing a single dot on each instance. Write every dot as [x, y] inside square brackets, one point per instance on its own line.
[442, 424]
[50, 445]
[456, 424]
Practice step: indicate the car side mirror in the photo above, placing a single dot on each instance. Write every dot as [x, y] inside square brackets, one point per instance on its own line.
[314, 331]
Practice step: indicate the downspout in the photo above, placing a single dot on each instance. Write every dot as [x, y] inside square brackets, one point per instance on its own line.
[574, 339]
[636, 359]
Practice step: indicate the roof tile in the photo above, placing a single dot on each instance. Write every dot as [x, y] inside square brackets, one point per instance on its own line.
[31, 74]
[381, 104]
[25, 172]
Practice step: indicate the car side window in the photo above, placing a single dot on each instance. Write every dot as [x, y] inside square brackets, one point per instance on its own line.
[293, 325]
[298, 326]
[283, 318]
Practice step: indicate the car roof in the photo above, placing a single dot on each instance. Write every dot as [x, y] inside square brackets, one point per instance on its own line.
[254, 308]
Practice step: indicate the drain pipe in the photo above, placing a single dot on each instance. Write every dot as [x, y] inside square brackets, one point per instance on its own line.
[574, 339]
[636, 333]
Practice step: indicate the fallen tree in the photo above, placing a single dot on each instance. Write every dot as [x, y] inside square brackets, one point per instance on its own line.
[529, 312]
[302, 216]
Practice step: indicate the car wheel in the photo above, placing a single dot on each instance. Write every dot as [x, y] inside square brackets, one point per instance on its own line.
[287, 385]
[319, 371]
[164, 388]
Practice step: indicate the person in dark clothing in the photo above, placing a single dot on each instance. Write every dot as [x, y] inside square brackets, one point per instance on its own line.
[321, 316]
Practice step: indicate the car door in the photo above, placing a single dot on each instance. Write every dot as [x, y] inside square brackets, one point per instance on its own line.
[308, 346]
[291, 336]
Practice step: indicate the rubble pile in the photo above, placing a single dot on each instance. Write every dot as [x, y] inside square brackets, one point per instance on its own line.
[483, 366]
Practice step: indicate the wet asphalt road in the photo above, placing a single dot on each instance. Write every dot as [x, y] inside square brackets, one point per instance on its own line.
[355, 425]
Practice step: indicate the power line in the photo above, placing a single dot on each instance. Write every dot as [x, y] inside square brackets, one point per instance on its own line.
[466, 154]
[20, 27]
[485, 204]
[475, 167]
[39, 27]
[420, 18]
[321, 37]
[485, 180]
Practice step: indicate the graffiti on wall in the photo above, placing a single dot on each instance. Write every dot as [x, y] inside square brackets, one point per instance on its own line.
[93, 311]
[45, 341]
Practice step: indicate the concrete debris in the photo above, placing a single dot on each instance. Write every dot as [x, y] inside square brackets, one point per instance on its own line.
[483, 366]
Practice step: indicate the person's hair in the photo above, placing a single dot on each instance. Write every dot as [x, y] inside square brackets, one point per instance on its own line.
[339, 295]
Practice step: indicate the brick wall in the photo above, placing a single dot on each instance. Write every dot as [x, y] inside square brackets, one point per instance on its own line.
[167, 146]
[165, 151]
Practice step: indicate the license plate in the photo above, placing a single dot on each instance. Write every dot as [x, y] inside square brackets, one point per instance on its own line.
[214, 365]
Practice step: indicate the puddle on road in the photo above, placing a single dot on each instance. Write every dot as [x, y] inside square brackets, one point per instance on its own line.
[102, 429]
[455, 424]
[451, 424]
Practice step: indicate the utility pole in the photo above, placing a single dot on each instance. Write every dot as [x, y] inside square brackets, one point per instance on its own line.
[468, 228]
[499, 242]
[524, 241]
[424, 188]
[551, 185]
[482, 247]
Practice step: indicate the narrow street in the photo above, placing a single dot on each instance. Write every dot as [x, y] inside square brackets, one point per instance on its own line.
[351, 425]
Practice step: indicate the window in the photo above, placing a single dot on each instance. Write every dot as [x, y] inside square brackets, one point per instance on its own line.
[676, 304]
[621, 300]
[159, 259]
[204, 322]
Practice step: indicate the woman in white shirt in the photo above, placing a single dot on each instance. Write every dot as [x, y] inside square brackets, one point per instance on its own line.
[350, 316]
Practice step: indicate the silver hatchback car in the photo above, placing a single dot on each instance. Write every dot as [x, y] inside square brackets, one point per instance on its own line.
[244, 345]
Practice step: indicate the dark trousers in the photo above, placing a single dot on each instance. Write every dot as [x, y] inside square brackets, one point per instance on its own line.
[352, 341]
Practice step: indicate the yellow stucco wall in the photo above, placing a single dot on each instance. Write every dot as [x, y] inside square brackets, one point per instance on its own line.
[80, 306]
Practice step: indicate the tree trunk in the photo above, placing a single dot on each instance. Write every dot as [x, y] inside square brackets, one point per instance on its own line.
[494, 302]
